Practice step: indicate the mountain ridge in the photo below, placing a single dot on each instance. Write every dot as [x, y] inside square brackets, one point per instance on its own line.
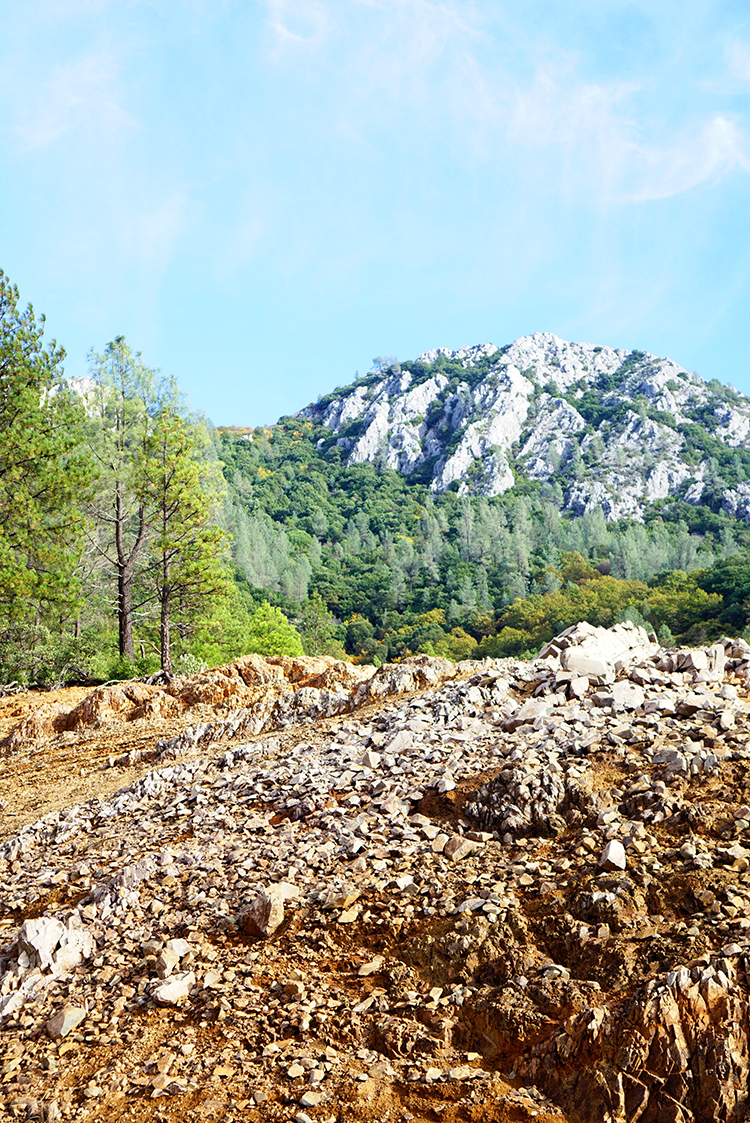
[611, 428]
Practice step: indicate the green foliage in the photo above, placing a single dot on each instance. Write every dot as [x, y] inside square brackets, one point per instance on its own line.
[317, 541]
[122, 669]
[676, 602]
[731, 581]
[320, 634]
[662, 417]
[42, 470]
[633, 615]
[222, 632]
[456, 645]
[270, 633]
[382, 553]
[50, 656]
[187, 550]
[120, 406]
[188, 664]
[664, 636]
[596, 409]
[731, 464]
[45, 656]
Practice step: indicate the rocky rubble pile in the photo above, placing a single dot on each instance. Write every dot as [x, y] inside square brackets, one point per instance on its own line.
[254, 693]
[519, 891]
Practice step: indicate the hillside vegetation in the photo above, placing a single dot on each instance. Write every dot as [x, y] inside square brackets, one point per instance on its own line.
[465, 504]
[406, 570]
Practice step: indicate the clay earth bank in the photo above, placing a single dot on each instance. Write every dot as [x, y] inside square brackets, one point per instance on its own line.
[604, 423]
[293, 889]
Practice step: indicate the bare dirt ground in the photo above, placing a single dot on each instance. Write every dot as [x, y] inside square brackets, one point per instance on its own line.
[49, 776]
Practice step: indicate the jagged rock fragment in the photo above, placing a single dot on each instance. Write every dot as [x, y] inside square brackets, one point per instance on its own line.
[175, 989]
[613, 856]
[265, 914]
[64, 1022]
[39, 938]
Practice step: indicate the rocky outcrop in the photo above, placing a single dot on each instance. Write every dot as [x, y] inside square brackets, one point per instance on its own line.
[604, 424]
[736, 501]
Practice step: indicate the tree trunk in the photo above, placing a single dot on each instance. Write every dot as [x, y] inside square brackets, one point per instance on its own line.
[164, 630]
[125, 573]
[125, 612]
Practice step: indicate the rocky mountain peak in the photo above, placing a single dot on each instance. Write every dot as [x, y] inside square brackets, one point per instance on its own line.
[601, 427]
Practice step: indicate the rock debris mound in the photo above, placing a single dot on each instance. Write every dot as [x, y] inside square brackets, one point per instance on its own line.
[486, 891]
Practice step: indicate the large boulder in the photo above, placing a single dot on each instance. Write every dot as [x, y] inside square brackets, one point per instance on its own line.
[601, 653]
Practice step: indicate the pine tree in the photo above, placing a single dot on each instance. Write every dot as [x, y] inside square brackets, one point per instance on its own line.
[187, 551]
[42, 468]
[317, 626]
[119, 402]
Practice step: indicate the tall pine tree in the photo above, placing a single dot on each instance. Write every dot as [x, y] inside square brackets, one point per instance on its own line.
[121, 399]
[187, 551]
[42, 468]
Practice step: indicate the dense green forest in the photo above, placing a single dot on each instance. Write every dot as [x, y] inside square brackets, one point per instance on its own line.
[403, 570]
[134, 536]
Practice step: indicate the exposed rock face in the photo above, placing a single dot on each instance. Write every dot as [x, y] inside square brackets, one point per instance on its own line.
[736, 501]
[604, 424]
[484, 892]
[600, 652]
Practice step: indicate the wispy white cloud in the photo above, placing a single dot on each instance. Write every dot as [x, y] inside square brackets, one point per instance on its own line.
[298, 23]
[423, 30]
[602, 143]
[586, 124]
[438, 160]
[121, 204]
[374, 42]
[424, 27]
[718, 148]
[613, 140]
[78, 95]
[738, 59]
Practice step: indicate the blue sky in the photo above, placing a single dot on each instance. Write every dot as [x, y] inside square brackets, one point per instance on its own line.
[263, 196]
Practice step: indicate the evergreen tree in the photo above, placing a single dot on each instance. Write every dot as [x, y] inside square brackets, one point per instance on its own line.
[714, 484]
[187, 550]
[42, 468]
[317, 626]
[270, 633]
[120, 403]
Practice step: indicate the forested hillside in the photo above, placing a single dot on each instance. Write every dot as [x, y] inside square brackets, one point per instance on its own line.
[404, 569]
[134, 536]
[113, 559]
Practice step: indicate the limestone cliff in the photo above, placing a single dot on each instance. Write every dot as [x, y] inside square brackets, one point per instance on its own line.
[609, 428]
